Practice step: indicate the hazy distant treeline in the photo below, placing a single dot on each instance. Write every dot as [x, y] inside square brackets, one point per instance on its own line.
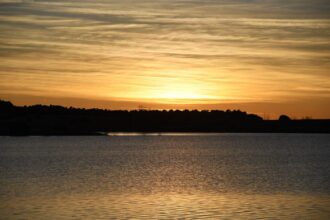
[58, 120]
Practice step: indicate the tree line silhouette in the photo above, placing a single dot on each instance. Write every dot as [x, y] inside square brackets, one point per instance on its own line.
[58, 120]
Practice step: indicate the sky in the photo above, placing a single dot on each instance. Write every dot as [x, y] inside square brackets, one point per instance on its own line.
[268, 57]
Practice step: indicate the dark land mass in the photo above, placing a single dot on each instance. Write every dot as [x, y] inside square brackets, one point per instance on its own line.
[58, 120]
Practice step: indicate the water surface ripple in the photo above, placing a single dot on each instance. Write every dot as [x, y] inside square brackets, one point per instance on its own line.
[193, 176]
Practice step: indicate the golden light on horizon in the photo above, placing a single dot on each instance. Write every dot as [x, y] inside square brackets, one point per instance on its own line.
[176, 90]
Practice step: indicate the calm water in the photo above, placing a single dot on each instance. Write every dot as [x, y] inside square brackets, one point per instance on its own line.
[217, 176]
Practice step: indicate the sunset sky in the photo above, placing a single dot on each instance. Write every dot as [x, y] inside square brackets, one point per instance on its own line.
[262, 56]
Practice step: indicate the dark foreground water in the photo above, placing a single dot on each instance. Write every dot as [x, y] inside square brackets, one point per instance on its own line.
[217, 176]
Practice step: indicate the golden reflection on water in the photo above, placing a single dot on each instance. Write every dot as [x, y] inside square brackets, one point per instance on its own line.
[219, 176]
[168, 206]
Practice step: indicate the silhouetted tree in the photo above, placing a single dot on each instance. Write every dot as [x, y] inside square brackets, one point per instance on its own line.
[58, 120]
[284, 118]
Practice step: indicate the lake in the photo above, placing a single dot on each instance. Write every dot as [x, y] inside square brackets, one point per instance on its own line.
[166, 176]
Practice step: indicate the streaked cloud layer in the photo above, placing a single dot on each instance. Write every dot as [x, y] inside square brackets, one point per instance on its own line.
[173, 51]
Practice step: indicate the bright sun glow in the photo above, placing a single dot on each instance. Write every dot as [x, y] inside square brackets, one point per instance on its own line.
[175, 86]
[180, 93]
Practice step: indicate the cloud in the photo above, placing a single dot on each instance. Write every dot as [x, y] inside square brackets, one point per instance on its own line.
[241, 50]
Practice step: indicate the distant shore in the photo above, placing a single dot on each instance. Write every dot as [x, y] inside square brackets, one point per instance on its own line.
[57, 120]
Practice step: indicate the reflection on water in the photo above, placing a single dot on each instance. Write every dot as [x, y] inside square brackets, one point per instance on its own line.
[161, 134]
[233, 176]
[169, 206]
